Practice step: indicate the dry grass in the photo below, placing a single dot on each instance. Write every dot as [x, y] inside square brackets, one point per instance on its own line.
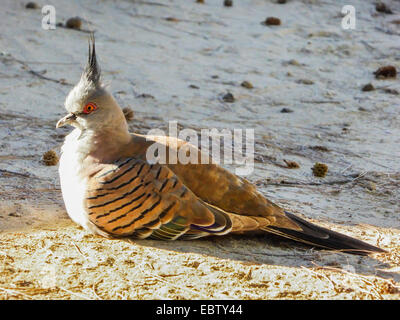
[64, 262]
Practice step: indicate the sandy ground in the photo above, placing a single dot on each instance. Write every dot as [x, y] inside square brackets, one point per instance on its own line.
[159, 48]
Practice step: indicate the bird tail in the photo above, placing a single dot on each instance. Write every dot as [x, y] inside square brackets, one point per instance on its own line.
[314, 235]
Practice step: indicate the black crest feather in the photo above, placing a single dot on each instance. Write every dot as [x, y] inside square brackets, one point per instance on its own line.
[92, 70]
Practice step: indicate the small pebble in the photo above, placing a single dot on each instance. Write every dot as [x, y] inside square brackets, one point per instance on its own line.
[145, 96]
[292, 164]
[172, 19]
[194, 264]
[192, 86]
[305, 81]
[281, 1]
[286, 110]
[50, 158]
[371, 186]
[199, 1]
[272, 21]
[386, 72]
[128, 113]
[214, 76]
[247, 84]
[32, 5]
[294, 62]
[391, 91]
[14, 214]
[381, 7]
[320, 170]
[368, 87]
[74, 23]
[320, 148]
[228, 97]
[228, 3]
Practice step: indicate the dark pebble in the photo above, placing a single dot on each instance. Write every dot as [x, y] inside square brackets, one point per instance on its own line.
[74, 23]
[391, 91]
[128, 113]
[228, 97]
[291, 164]
[272, 21]
[172, 19]
[228, 3]
[286, 110]
[386, 72]
[145, 96]
[247, 85]
[381, 7]
[305, 81]
[368, 87]
[14, 214]
[320, 148]
[32, 5]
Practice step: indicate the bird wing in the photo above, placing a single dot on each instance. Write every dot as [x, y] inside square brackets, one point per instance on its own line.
[131, 197]
[248, 209]
[220, 188]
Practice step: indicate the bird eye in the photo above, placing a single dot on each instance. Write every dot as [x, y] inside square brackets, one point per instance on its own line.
[90, 107]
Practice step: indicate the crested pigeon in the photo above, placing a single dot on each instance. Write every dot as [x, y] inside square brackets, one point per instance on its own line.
[111, 189]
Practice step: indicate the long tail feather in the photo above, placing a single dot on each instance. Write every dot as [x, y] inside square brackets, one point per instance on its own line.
[314, 235]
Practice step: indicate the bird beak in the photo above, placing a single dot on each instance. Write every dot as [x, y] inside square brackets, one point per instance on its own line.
[66, 120]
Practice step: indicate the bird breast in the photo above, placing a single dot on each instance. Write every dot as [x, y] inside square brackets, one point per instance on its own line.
[73, 184]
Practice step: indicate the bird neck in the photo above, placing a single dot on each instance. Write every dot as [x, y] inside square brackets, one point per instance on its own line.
[105, 145]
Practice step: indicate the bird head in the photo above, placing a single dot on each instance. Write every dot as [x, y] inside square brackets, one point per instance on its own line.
[89, 105]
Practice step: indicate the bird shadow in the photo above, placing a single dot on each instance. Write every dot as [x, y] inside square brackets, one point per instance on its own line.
[268, 249]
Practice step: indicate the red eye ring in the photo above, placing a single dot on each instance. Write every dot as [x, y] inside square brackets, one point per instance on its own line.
[90, 107]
